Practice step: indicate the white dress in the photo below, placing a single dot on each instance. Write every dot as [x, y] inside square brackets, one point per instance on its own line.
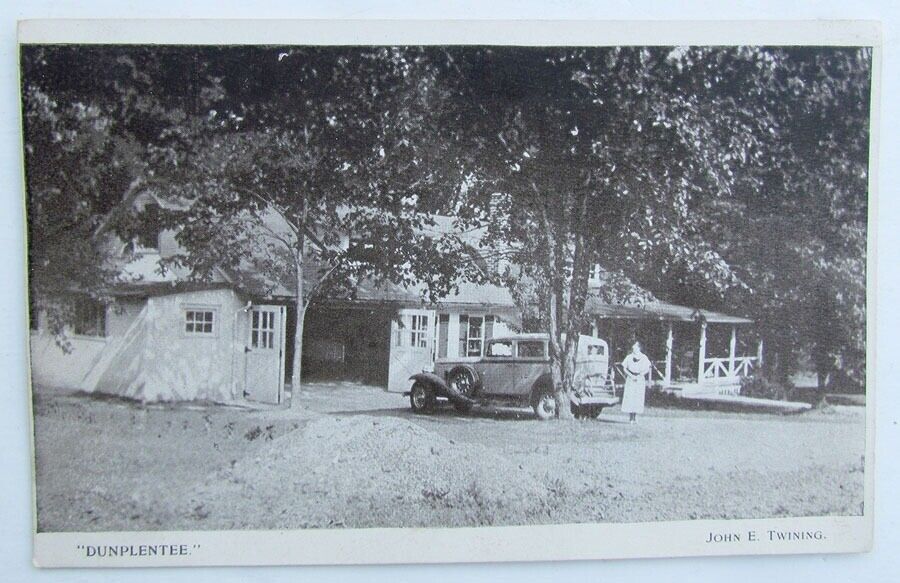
[636, 368]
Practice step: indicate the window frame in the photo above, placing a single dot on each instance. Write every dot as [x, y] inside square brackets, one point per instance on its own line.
[101, 321]
[486, 332]
[199, 308]
[264, 329]
[418, 331]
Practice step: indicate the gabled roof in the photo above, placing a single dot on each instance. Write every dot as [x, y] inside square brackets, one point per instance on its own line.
[250, 279]
[468, 296]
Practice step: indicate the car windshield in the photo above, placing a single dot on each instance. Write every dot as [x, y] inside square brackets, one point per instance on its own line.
[500, 348]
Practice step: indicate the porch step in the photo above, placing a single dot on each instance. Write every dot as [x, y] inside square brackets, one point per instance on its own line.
[691, 389]
[749, 402]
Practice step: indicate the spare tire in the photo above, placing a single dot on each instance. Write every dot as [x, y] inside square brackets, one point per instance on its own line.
[464, 380]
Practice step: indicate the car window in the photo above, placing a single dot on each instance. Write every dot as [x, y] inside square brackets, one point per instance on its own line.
[531, 349]
[596, 350]
[500, 348]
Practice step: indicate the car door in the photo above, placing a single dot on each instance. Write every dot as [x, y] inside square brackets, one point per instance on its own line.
[532, 362]
[498, 368]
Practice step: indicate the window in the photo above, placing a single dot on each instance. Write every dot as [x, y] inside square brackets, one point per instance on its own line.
[500, 348]
[596, 350]
[473, 331]
[532, 349]
[88, 317]
[418, 334]
[262, 329]
[199, 321]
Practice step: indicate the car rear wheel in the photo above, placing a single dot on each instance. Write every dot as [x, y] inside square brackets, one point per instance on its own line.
[544, 405]
[421, 398]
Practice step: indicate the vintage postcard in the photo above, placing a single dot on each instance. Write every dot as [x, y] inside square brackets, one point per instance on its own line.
[395, 292]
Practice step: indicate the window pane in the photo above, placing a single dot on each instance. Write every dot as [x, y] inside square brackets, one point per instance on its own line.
[475, 326]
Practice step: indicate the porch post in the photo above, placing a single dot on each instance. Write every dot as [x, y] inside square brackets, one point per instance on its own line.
[595, 332]
[702, 352]
[732, 346]
[669, 342]
[759, 353]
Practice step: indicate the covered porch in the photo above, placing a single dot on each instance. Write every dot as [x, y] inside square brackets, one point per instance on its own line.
[691, 350]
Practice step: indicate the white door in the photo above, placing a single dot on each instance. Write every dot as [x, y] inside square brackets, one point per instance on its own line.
[264, 352]
[412, 347]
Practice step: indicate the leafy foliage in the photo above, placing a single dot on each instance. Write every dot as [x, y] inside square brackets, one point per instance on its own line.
[637, 158]
[731, 178]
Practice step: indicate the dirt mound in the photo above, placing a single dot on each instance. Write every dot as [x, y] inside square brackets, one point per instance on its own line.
[367, 471]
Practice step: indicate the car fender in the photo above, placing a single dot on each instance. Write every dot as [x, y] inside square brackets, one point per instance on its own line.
[440, 386]
[544, 382]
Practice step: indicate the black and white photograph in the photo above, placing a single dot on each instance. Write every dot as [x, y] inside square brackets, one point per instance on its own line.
[332, 287]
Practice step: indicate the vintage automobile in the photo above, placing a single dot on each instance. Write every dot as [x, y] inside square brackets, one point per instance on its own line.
[515, 370]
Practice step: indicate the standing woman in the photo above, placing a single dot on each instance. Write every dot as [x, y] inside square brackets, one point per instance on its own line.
[636, 366]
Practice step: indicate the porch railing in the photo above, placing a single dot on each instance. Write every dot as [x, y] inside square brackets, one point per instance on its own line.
[657, 372]
[715, 370]
[725, 369]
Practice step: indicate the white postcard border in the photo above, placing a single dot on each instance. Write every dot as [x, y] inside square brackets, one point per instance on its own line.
[483, 544]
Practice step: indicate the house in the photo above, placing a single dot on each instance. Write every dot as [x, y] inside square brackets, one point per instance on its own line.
[163, 337]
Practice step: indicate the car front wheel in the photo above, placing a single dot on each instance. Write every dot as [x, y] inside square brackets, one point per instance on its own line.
[421, 398]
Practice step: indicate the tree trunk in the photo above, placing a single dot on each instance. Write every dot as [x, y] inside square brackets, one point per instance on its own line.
[298, 333]
[565, 387]
[560, 367]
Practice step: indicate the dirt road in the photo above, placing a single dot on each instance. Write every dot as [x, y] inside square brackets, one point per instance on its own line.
[349, 455]
[673, 464]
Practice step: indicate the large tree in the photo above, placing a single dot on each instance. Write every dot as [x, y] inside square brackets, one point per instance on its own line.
[312, 173]
[798, 238]
[614, 156]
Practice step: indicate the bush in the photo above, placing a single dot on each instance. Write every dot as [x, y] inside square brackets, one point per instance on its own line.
[763, 387]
